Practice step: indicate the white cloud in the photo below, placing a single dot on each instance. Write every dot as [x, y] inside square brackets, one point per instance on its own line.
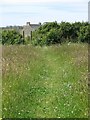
[15, 12]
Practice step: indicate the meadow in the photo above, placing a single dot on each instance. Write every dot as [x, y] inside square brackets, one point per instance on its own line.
[45, 82]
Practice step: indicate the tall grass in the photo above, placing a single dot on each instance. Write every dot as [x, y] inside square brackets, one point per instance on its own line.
[41, 82]
[0, 81]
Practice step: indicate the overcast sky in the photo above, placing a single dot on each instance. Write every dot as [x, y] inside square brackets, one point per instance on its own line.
[18, 12]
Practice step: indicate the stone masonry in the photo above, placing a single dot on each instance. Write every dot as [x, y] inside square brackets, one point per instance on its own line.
[29, 28]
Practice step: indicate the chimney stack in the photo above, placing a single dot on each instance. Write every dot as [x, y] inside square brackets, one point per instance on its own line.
[28, 23]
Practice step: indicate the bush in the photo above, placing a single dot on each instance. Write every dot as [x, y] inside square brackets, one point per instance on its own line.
[53, 36]
[84, 34]
[51, 33]
[12, 37]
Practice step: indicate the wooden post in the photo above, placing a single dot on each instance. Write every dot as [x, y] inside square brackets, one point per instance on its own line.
[23, 36]
[31, 35]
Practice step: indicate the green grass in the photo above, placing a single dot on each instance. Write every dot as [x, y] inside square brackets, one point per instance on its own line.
[41, 82]
[0, 82]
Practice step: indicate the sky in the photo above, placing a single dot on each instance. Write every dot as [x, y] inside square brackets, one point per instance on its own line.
[18, 12]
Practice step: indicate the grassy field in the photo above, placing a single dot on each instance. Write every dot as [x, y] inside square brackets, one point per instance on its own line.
[0, 82]
[49, 82]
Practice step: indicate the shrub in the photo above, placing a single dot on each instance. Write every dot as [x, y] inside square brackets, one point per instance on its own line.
[84, 34]
[12, 37]
[53, 36]
[51, 33]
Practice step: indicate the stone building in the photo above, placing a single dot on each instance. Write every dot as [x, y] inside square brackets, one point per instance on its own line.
[29, 28]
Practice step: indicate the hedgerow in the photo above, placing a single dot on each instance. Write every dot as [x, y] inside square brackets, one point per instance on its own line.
[51, 33]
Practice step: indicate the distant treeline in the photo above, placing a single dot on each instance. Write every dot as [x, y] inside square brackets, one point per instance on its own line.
[11, 27]
[51, 33]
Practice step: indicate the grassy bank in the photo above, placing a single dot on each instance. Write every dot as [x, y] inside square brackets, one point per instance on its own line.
[44, 82]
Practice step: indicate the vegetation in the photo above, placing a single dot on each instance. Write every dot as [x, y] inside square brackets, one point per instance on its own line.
[84, 34]
[51, 33]
[11, 37]
[0, 36]
[48, 81]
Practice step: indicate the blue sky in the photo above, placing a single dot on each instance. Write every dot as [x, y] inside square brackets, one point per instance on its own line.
[18, 12]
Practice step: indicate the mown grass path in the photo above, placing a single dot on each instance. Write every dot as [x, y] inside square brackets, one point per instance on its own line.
[49, 82]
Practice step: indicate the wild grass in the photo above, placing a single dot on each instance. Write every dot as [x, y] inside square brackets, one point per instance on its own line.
[45, 82]
[0, 81]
